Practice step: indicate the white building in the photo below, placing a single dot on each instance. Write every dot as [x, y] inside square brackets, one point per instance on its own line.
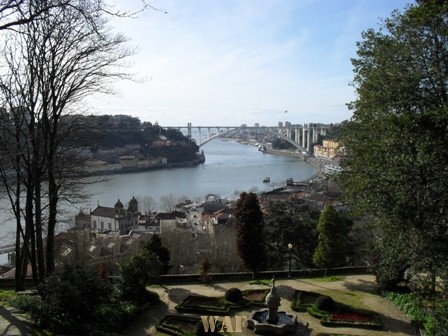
[116, 219]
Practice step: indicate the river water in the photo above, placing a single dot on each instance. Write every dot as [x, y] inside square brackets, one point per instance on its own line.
[230, 168]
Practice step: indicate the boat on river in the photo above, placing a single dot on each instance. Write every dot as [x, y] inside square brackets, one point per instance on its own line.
[267, 179]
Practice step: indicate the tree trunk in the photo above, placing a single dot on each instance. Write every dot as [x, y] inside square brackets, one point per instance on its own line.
[39, 238]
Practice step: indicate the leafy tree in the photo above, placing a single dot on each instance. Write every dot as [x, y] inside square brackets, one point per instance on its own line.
[70, 299]
[136, 272]
[279, 143]
[290, 222]
[332, 242]
[250, 232]
[396, 141]
[155, 246]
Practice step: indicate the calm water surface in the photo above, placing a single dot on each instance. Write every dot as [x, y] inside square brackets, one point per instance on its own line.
[230, 169]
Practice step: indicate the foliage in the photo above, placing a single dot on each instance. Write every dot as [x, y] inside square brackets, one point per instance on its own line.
[76, 300]
[290, 222]
[32, 304]
[332, 245]
[409, 304]
[50, 65]
[317, 313]
[179, 325]
[334, 314]
[437, 322]
[203, 304]
[303, 300]
[329, 278]
[6, 296]
[204, 269]
[431, 316]
[114, 317]
[155, 246]
[396, 140]
[234, 295]
[136, 272]
[279, 143]
[352, 319]
[250, 232]
[200, 330]
[326, 303]
[70, 298]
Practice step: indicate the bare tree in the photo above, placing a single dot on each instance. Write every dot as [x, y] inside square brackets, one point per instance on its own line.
[146, 204]
[183, 255]
[168, 203]
[224, 252]
[14, 13]
[51, 65]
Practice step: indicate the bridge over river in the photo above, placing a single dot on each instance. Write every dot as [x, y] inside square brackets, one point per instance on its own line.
[300, 136]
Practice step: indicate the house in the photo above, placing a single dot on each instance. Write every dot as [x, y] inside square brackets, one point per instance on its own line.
[166, 221]
[222, 218]
[117, 219]
[327, 150]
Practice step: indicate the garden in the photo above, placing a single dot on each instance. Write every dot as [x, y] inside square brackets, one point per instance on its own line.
[233, 300]
[358, 308]
[333, 314]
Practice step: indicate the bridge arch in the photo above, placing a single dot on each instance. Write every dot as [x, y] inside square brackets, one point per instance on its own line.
[263, 129]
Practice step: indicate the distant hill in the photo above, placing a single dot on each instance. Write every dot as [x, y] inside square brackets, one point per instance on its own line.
[112, 131]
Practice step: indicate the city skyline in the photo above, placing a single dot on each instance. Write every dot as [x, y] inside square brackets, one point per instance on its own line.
[242, 62]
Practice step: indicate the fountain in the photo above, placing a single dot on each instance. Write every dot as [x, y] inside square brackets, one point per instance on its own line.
[269, 320]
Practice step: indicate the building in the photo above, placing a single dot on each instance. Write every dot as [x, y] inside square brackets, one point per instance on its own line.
[117, 219]
[327, 150]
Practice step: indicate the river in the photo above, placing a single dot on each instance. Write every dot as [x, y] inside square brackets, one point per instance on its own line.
[230, 168]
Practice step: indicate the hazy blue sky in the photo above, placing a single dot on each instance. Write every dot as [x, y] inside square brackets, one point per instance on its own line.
[229, 62]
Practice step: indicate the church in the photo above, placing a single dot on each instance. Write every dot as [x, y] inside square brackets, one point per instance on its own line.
[118, 219]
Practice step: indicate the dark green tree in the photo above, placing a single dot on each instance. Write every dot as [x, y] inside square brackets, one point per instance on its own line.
[70, 299]
[332, 243]
[136, 272]
[290, 222]
[396, 141]
[250, 232]
[155, 246]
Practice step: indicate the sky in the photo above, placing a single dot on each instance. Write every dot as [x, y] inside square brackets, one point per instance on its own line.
[233, 62]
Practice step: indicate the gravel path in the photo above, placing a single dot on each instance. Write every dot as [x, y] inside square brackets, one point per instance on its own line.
[356, 290]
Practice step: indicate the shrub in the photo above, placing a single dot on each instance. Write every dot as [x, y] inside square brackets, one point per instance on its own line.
[326, 303]
[70, 298]
[234, 295]
[204, 268]
[31, 304]
[200, 331]
[115, 316]
[136, 272]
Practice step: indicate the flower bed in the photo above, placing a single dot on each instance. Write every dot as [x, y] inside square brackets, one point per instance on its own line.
[347, 318]
[303, 300]
[256, 296]
[203, 304]
[342, 316]
[178, 325]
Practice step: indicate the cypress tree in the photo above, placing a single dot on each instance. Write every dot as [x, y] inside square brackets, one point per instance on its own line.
[250, 235]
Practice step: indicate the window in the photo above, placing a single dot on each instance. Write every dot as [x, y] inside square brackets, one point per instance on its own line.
[102, 225]
[94, 224]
